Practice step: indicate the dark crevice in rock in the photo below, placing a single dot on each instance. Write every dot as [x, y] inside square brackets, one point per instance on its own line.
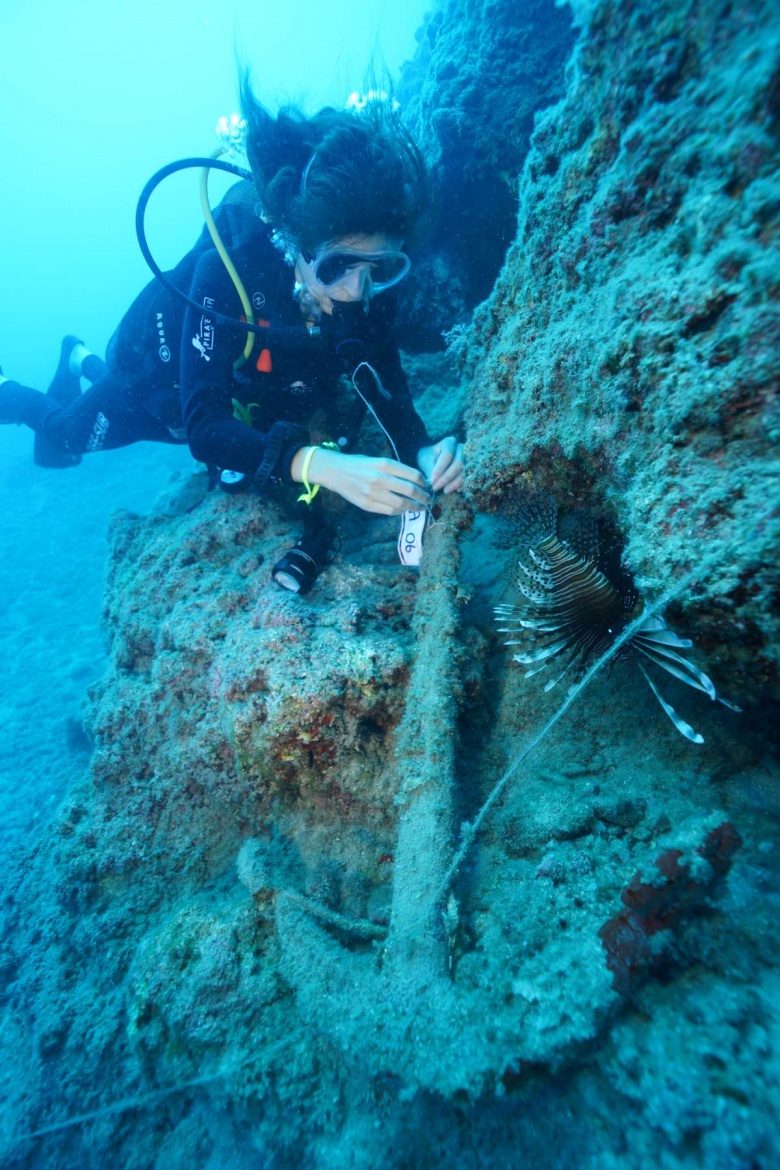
[470, 100]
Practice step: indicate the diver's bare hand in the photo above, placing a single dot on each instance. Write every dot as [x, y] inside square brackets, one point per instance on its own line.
[383, 486]
[442, 464]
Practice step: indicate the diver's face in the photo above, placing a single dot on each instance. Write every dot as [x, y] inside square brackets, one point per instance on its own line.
[353, 280]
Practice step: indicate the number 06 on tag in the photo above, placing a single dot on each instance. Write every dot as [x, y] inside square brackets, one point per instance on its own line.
[410, 538]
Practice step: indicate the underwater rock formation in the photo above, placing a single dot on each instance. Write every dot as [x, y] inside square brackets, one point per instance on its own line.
[242, 943]
[238, 918]
[229, 689]
[631, 346]
[481, 72]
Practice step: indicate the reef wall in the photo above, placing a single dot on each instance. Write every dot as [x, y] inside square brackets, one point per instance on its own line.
[242, 943]
[631, 347]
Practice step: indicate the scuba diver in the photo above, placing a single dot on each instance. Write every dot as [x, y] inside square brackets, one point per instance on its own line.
[275, 319]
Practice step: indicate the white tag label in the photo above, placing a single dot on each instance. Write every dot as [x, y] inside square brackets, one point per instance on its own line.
[410, 538]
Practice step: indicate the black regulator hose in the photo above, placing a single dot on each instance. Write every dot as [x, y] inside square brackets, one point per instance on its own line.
[186, 164]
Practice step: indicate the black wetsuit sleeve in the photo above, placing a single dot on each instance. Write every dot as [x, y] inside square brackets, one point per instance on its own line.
[208, 351]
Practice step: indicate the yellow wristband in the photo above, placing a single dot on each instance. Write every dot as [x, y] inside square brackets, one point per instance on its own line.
[307, 496]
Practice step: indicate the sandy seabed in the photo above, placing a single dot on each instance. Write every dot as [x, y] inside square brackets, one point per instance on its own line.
[52, 571]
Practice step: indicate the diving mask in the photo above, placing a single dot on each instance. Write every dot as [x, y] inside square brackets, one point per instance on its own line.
[329, 266]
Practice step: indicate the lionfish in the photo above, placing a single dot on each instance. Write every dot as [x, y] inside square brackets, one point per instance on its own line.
[578, 598]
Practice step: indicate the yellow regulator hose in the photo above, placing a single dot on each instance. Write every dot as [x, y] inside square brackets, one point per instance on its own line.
[214, 233]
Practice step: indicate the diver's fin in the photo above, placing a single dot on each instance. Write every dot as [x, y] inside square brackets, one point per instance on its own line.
[65, 388]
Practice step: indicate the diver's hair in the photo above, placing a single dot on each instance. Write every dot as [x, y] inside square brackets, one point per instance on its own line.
[339, 173]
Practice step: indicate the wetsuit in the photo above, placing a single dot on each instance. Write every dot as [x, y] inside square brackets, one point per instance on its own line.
[171, 379]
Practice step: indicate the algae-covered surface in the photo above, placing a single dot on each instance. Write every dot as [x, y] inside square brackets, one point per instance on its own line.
[274, 924]
[631, 341]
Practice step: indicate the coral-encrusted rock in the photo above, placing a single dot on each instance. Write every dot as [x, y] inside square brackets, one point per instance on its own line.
[632, 345]
[203, 955]
[227, 691]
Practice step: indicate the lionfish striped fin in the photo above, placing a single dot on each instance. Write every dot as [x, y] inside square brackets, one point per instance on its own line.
[535, 670]
[675, 664]
[683, 727]
[543, 652]
[553, 682]
[667, 638]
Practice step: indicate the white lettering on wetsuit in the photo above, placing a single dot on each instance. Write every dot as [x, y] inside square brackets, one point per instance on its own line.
[164, 350]
[99, 431]
[204, 338]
